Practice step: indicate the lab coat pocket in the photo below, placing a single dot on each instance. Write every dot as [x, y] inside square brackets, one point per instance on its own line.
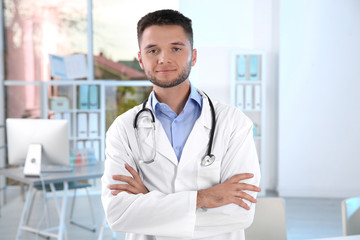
[208, 176]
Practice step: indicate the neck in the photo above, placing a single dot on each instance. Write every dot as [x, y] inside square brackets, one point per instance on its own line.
[174, 97]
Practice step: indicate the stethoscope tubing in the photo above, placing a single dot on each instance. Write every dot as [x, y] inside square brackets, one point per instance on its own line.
[208, 155]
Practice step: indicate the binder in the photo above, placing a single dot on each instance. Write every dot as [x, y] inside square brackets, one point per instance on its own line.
[240, 96]
[96, 147]
[93, 125]
[2, 163]
[82, 125]
[88, 145]
[255, 130]
[93, 97]
[241, 68]
[80, 145]
[67, 116]
[2, 139]
[83, 99]
[257, 97]
[254, 68]
[248, 97]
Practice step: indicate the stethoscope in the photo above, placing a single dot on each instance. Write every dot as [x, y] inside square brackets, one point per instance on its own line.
[207, 160]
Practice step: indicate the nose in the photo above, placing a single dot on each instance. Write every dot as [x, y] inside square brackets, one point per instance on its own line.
[163, 58]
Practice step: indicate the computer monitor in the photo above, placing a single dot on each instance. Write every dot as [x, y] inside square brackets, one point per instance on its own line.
[51, 134]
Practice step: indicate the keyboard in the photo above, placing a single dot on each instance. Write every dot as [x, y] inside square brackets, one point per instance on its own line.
[55, 168]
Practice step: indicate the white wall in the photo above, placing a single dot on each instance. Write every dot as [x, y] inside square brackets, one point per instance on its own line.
[319, 113]
[223, 26]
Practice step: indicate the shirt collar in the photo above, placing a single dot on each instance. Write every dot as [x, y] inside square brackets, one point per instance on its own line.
[194, 95]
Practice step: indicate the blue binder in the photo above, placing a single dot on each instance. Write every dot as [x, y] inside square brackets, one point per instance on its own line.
[254, 68]
[83, 101]
[93, 97]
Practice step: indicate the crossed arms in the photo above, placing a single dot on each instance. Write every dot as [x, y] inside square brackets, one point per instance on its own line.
[230, 191]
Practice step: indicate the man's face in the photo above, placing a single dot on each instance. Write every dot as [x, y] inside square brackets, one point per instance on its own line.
[166, 55]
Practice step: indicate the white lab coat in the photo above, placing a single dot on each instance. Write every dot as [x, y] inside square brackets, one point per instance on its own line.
[169, 211]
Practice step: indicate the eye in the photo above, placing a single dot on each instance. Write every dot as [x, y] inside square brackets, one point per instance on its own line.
[176, 49]
[152, 51]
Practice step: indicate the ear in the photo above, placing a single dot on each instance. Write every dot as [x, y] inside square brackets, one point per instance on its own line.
[140, 60]
[194, 57]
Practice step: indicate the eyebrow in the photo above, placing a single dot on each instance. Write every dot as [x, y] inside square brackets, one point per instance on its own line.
[149, 46]
[178, 43]
[173, 43]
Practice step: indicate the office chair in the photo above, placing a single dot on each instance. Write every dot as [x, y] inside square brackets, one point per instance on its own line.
[269, 221]
[350, 211]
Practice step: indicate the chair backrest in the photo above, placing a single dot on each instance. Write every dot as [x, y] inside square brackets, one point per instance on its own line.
[350, 209]
[269, 221]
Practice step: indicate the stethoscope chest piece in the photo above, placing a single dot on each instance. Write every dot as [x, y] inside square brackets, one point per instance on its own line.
[207, 160]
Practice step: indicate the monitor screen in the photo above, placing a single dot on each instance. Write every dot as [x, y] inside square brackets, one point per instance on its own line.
[52, 134]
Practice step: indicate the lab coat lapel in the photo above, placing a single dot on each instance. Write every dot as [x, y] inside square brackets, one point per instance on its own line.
[198, 139]
[163, 145]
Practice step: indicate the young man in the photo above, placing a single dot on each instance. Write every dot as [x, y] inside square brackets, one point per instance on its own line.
[157, 183]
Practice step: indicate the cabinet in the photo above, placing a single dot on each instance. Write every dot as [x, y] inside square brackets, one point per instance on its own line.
[248, 94]
[2, 163]
[81, 103]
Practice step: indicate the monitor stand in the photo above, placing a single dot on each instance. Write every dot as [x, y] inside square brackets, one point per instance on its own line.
[32, 166]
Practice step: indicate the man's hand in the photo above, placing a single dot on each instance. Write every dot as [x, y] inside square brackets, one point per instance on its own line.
[133, 185]
[230, 191]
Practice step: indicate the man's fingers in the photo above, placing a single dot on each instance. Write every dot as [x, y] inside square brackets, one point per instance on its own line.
[239, 177]
[123, 178]
[244, 195]
[123, 187]
[241, 203]
[116, 192]
[132, 172]
[245, 186]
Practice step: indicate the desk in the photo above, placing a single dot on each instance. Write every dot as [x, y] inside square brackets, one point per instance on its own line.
[79, 173]
[353, 237]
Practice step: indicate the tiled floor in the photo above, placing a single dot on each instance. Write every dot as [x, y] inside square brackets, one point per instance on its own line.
[306, 218]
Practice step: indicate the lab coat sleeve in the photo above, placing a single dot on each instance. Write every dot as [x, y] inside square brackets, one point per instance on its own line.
[154, 213]
[240, 157]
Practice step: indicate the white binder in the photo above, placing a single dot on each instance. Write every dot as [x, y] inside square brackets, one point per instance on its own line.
[93, 125]
[257, 98]
[248, 97]
[80, 145]
[96, 146]
[240, 96]
[82, 125]
[67, 117]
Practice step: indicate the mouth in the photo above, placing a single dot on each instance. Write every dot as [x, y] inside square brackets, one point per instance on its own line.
[165, 71]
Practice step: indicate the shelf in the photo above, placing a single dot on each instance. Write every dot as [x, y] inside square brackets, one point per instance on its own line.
[85, 139]
[248, 82]
[75, 111]
[251, 110]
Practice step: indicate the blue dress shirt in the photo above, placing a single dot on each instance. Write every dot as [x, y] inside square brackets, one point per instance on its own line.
[178, 127]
